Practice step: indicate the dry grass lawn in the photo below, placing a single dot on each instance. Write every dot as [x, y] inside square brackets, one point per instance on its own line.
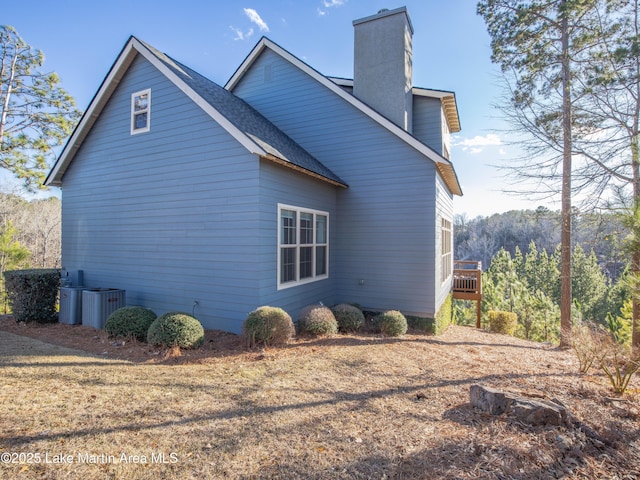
[357, 406]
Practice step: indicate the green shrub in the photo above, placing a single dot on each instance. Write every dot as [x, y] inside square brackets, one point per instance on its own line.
[176, 329]
[317, 320]
[130, 322]
[444, 316]
[349, 317]
[391, 323]
[268, 326]
[33, 294]
[502, 322]
[423, 324]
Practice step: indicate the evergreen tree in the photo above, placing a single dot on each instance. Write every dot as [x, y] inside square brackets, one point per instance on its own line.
[12, 253]
[535, 43]
[589, 284]
[36, 114]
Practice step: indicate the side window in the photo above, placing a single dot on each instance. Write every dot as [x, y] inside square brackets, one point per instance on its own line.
[446, 250]
[303, 245]
[141, 112]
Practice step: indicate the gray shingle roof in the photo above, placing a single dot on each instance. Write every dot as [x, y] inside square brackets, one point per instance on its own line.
[248, 120]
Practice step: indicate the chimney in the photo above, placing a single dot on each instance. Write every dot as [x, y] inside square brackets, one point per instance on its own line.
[382, 72]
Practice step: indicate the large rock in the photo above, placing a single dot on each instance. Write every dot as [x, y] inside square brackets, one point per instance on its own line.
[526, 410]
[489, 400]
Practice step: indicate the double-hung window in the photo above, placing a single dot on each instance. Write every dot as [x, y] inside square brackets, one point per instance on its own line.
[303, 245]
[446, 249]
[141, 111]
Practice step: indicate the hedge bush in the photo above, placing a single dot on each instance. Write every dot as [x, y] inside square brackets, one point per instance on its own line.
[349, 317]
[444, 316]
[267, 326]
[392, 323]
[130, 322]
[176, 329]
[33, 294]
[502, 322]
[317, 320]
[422, 324]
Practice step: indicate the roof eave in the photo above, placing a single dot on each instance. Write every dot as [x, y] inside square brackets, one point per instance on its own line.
[297, 168]
[447, 98]
[450, 177]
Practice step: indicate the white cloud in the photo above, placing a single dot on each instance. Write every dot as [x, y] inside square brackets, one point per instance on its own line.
[238, 32]
[333, 3]
[255, 18]
[329, 4]
[476, 144]
[480, 141]
[240, 35]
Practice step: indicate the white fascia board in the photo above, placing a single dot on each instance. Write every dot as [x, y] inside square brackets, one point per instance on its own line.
[334, 87]
[419, 91]
[343, 82]
[428, 92]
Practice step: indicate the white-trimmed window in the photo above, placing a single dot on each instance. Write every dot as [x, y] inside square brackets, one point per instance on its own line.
[141, 111]
[303, 245]
[447, 250]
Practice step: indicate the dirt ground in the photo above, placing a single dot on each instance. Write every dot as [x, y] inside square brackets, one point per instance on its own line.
[88, 339]
[347, 406]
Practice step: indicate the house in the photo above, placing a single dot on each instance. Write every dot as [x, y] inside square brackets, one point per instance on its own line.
[284, 187]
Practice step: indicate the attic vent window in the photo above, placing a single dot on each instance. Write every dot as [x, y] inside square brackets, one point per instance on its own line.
[141, 111]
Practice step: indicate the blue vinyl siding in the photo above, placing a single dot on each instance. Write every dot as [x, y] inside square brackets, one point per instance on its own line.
[427, 121]
[281, 185]
[170, 215]
[383, 229]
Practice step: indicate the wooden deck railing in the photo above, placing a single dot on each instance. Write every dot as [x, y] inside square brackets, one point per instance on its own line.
[467, 277]
[467, 283]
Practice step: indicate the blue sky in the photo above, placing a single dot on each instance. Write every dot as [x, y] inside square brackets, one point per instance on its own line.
[451, 51]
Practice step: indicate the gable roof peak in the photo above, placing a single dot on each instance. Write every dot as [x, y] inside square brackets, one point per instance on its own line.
[253, 131]
[444, 166]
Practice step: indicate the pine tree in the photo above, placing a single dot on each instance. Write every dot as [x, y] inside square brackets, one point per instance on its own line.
[534, 42]
[36, 114]
[589, 283]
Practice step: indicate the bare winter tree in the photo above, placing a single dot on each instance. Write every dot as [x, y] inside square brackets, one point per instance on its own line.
[536, 42]
[609, 118]
[37, 226]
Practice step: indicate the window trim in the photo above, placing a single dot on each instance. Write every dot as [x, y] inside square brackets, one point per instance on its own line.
[134, 130]
[314, 277]
[446, 249]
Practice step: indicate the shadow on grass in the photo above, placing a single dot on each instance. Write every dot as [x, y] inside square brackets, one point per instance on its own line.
[13, 347]
[478, 455]
[336, 398]
[353, 340]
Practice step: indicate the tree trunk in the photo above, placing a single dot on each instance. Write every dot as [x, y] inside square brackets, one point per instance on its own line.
[635, 255]
[635, 162]
[565, 252]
